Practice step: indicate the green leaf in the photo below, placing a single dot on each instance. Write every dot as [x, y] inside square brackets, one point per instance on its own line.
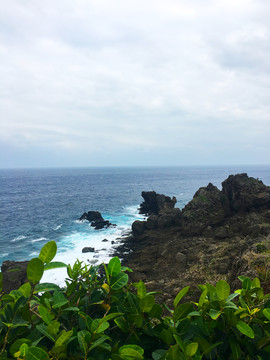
[246, 283]
[191, 349]
[194, 313]
[182, 311]
[141, 289]
[35, 270]
[46, 287]
[114, 266]
[73, 308]
[134, 347]
[122, 324]
[130, 354]
[119, 281]
[147, 303]
[35, 353]
[42, 328]
[266, 313]
[99, 341]
[45, 314]
[23, 349]
[159, 354]
[180, 295]
[64, 336]
[25, 289]
[214, 314]
[17, 344]
[245, 329]
[53, 328]
[166, 336]
[48, 252]
[83, 337]
[58, 300]
[136, 319]
[256, 283]
[202, 298]
[156, 311]
[55, 265]
[98, 327]
[223, 289]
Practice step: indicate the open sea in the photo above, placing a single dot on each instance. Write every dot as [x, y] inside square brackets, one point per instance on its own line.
[38, 205]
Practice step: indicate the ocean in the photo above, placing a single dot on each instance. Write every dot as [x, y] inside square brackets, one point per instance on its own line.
[39, 205]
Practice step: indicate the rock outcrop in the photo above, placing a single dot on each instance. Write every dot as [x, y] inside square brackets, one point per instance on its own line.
[219, 234]
[96, 220]
[155, 203]
[207, 208]
[14, 274]
[245, 193]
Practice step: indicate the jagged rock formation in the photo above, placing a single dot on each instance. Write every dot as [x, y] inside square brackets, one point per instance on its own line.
[14, 274]
[213, 212]
[155, 203]
[215, 236]
[96, 220]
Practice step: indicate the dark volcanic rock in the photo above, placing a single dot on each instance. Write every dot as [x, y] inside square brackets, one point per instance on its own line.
[14, 275]
[100, 224]
[170, 217]
[96, 220]
[88, 249]
[138, 228]
[216, 236]
[245, 193]
[154, 203]
[92, 216]
[207, 208]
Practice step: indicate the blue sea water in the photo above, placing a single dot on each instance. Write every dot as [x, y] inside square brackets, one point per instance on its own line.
[38, 205]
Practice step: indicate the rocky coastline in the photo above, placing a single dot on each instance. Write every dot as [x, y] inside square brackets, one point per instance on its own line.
[219, 234]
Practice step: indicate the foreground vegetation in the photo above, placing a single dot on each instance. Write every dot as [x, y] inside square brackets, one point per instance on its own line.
[100, 317]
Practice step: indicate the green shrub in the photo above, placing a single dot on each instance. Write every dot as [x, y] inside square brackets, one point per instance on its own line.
[104, 317]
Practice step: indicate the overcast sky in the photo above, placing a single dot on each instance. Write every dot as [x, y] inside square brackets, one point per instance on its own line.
[132, 82]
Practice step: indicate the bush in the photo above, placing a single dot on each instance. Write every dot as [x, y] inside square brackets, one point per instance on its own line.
[102, 317]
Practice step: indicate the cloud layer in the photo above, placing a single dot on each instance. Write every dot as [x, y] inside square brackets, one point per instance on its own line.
[134, 83]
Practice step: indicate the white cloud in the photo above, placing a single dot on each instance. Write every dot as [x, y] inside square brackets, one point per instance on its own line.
[87, 76]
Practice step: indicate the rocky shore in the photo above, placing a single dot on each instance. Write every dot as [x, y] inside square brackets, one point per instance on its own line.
[219, 234]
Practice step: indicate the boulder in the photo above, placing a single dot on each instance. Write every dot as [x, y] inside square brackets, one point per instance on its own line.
[96, 220]
[14, 274]
[245, 193]
[138, 227]
[91, 216]
[207, 208]
[88, 249]
[153, 203]
[101, 224]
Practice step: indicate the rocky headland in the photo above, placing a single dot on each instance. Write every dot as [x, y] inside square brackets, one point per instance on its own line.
[219, 234]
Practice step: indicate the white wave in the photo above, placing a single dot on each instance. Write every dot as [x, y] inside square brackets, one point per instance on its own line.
[70, 249]
[4, 254]
[81, 221]
[18, 238]
[39, 239]
[58, 227]
[34, 253]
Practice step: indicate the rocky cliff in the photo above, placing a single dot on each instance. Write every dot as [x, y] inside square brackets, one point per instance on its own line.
[219, 234]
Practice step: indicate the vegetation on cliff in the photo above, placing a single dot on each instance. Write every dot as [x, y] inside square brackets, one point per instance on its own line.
[100, 315]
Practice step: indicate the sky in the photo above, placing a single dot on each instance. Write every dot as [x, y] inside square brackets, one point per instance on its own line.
[134, 83]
